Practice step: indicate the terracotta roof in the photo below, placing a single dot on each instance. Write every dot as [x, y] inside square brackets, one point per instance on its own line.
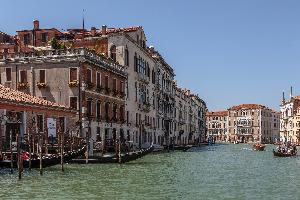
[128, 29]
[247, 106]
[14, 96]
[297, 97]
[218, 113]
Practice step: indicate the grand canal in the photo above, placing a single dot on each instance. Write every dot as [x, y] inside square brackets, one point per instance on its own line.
[216, 172]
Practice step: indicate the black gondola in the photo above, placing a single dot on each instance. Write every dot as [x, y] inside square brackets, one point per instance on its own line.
[282, 154]
[47, 161]
[125, 157]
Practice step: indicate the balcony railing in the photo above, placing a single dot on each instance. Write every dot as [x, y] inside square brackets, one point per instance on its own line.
[143, 78]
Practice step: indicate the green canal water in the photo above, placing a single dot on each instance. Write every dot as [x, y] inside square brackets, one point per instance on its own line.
[217, 172]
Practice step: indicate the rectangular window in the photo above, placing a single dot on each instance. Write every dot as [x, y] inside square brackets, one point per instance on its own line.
[23, 76]
[62, 125]
[73, 102]
[40, 123]
[89, 107]
[98, 77]
[26, 39]
[115, 84]
[89, 76]
[73, 74]
[98, 138]
[42, 76]
[106, 81]
[8, 74]
[98, 110]
[44, 37]
[121, 86]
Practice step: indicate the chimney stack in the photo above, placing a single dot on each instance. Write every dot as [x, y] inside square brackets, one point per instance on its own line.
[291, 95]
[104, 30]
[283, 98]
[36, 24]
[93, 31]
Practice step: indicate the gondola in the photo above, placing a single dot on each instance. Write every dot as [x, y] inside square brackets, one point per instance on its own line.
[47, 160]
[112, 158]
[287, 154]
[258, 147]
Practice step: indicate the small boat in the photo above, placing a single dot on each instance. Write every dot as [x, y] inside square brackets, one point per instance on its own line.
[236, 142]
[157, 148]
[289, 152]
[47, 160]
[259, 147]
[113, 158]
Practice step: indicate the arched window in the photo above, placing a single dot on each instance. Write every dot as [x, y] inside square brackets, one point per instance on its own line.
[122, 113]
[135, 62]
[126, 57]
[113, 52]
[114, 112]
[107, 111]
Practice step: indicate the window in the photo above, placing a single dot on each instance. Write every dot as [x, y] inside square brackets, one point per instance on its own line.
[121, 86]
[73, 102]
[23, 76]
[107, 111]
[113, 53]
[153, 76]
[42, 76]
[89, 76]
[62, 125]
[40, 123]
[44, 37]
[73, 74]
[135, 62]
[8, 74]
[106, 81]
[89, 107]
[98, 77]
[26, 39]
[126, 57]
[114, 84]
[115, 111]
[98, 110]
[98, 138]
[121, 113]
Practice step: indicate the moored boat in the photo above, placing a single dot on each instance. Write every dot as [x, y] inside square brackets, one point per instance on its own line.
[258, 147]
[113, 158]
[47, 160]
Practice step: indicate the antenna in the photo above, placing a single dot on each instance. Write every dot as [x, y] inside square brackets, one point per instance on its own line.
[83, 19]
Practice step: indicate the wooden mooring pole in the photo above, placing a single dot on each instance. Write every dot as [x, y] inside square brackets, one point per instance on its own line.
[40, 154]
[62, 152]
[11, 153]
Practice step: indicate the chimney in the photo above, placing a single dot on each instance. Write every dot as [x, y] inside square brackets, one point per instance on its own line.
[291, 95]
[93, 31]
[36, 24]
[104, 29]
[283, 98]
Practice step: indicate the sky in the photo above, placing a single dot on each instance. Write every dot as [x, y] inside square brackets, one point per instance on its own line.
[229, 52]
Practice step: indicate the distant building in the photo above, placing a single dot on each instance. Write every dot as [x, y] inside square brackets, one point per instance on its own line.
[290, 119]
[253, 123]
[217, 125]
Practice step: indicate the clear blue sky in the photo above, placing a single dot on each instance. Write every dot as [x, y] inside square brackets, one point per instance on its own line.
[229, 52]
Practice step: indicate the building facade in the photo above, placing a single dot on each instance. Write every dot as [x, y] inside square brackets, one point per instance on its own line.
[253, 123]
[290, 120]
[217, 125]
[79, 79]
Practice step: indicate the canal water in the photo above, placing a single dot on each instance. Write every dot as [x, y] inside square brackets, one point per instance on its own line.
[216, 172]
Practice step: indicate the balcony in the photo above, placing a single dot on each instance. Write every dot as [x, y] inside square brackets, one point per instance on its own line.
[99, 88]
[23, 86]
[89, 85]
[41, 85]
[73, 83]
[143, 78]
[146, 107]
